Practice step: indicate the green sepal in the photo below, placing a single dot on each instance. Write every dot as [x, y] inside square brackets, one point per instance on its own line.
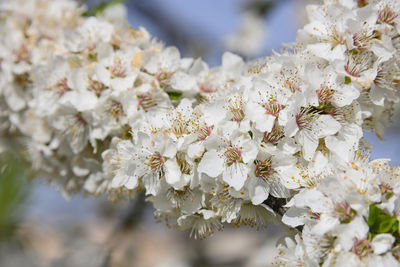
[175, 95]
[100, 8]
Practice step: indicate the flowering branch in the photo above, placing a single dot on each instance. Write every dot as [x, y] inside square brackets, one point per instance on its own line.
[105, 108]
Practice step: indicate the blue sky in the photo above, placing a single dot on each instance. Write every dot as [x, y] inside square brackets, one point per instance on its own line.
[211, 20]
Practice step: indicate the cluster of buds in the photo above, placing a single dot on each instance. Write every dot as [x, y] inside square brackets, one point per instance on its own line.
[104, 108]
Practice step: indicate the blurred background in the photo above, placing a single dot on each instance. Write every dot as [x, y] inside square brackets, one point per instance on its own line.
[39, 227]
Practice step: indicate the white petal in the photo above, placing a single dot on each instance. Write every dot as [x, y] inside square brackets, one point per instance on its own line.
[382, 243]
[172, 171]
[326, 51]
[182, 81]
[214, 113]
[309, 143]
[295, 217]
[211, 164]
[258, 191]
[325, 125]
[132, 182]
[119, 180]
[231, 61]
[195, 150]
[235, 175]
[264, 122]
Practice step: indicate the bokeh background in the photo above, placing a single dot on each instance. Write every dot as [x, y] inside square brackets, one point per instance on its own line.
[39, 227]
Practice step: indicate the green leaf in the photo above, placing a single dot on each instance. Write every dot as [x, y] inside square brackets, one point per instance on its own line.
[13, 193]
[379, 222]
[175, 95]
[100, 8]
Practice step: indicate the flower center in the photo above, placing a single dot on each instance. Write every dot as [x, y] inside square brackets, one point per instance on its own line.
[344, 212]
[204, 132]
[96, 87]
[179, 126]
[388, 77]
[146, 102]
[236, 108]
[325, 94]
[62, 86]
[362, 247]
[387, 15]
[263, 169]
[163, 78]
[184, 166]
[117, 70]
[357, 64]
[305, 118]
[273, 108]
[336, 38]
[116, 109]
[233, 155]
[156, 162]
[274, 136]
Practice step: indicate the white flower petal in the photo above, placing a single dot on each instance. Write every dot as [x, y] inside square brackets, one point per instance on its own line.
[211, 164]
[382, 243]
[235, 175]
[172, 172]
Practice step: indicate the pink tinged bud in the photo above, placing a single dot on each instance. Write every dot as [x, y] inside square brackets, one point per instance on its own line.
[386, 190]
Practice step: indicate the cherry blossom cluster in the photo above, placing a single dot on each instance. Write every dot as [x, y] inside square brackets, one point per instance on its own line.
[349, 219]
[107, 109]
